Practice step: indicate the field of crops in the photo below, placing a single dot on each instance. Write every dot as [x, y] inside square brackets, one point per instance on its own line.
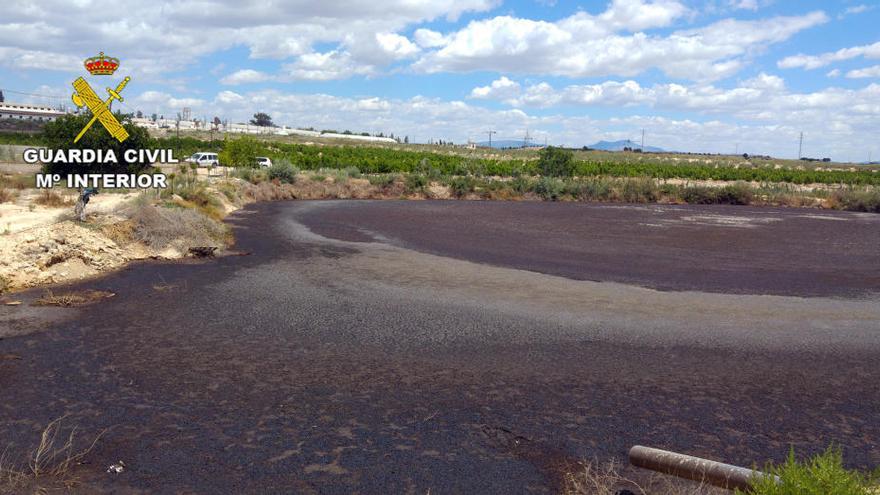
[386, 160]
[374, 159]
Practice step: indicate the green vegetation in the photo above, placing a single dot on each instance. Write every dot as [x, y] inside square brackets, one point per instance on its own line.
[857, 200]
[436, 161]
[824, 474]
[59, 135]
[241, 152]
[556, 162]
[283, 171]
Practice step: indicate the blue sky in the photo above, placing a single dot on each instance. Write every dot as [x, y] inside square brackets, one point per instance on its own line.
[718, 76]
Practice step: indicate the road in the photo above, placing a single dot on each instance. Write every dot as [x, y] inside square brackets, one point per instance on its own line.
[461, 347]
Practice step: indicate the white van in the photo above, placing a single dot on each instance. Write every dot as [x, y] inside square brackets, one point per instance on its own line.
[204, 159]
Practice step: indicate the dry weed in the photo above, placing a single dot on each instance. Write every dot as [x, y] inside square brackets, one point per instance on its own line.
[70, 299]
[7, 195]
[121, 233]
[52, 199]
[606, 479]
[50, 463]
[179, 227]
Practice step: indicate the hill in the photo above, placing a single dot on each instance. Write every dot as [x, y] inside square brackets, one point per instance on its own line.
[620, 145]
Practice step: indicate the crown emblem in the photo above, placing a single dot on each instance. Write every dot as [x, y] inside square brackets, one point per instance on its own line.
[101, 65]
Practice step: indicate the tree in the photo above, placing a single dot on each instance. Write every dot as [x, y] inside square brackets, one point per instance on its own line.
[241, 152]
[60, 133]
[154, 117]
[261, 120]
[406, 139]
[216, 121]
[139, 114]
[556, 162]
[2, 99]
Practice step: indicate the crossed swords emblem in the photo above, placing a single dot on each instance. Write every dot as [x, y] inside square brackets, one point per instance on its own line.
[84, 95]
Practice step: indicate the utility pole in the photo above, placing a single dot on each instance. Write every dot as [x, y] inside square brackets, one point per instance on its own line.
[490, 137]
[801, 147]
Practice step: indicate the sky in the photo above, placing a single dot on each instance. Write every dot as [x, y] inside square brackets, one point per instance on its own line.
[721, 76]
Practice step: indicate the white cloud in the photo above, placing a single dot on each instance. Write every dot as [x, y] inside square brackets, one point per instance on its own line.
[166, 35]
[427, 38]
[500, 89]
[764, 99]
[743, 4]
[396, 45]
[245, 76]
[151, 100]
[583, 45]
[326, 66]
[637, 15]
[833, 73]
[856, 9]
[873, 71]
[834, 121]
[810, 62]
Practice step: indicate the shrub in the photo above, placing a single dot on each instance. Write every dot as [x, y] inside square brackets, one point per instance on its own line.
[416, 182]
[383, 180]
[556, 162]
[283, 171]
[461, 186]
[697, 195]
[822, 475]
[521, 185]
[6, 196]
[641, 190]
[52, 199]
[593, 190]
[179, 227]
[549, 188]
[853, 200]
[352, 172]
[737, 194]
[252, 175]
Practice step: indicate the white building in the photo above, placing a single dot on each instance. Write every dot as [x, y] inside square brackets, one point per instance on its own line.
[28, 112]
[190, 125]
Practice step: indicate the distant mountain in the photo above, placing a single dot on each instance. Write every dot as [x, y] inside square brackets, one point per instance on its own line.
[504, 143]
[620, 145]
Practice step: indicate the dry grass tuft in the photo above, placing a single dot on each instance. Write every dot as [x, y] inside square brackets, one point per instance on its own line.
[121, 233]
[7, 195]
[70, 299]
[49, 465]
[18, 182]
[181, 228]
[607, 479]
[52, 199]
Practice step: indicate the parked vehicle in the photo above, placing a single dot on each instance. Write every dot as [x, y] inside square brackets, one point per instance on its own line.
[264, 162]
[204, 159]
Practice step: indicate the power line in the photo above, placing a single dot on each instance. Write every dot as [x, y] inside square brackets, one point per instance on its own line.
[33, 94]
[490, 136]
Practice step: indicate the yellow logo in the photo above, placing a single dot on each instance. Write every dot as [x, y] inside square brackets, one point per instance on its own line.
[85, 95]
